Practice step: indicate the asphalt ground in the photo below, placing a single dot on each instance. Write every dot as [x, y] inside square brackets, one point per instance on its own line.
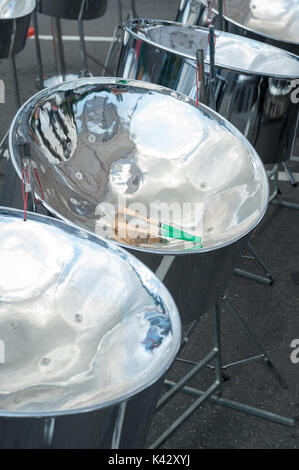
[271, 312]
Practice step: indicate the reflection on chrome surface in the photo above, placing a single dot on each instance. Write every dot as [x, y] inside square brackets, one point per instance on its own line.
[270, 21]
[254, 81]
[11, 9]
[232, 52]
[276, 18]
[84, 324]
[96, 140]
[14, 22]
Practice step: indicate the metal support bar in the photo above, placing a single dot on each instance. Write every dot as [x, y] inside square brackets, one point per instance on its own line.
[217, 346]
[220, 11]
[114, 44]
[15, 81]
[185, 339]
[9, 187]
[58, 46]
[212, 68]
[82, 40]
[268, 280]
[237, 406]
[133, 9]
[252, 337]
[273, 198]
[120, 13]
[253, 277]
[260, 261]
[175, 387]
[167, 396]
[38, 52]
[259, 357]
[288, 205]
[289, 174]
[203, 397]
[10, 178]
[102, 66]
[208, 366]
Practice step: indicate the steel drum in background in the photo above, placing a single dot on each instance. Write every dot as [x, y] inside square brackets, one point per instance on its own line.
[88, 332]
[14, 22]
[275, 22]
[254, 81]
[70, 9]
[95, 141]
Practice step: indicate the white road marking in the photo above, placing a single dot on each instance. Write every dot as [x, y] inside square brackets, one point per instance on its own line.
[164, 266]
[46, 37]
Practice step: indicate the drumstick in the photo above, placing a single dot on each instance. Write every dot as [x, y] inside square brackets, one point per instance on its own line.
[164, 229]
[139, 232]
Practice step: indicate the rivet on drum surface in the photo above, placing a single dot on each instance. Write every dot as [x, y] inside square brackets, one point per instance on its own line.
[92, 138]
[79, 175]
[78, 318]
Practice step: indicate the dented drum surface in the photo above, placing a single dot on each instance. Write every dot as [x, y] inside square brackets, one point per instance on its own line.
[96, 142]
[255, 82]
[274, 22]
[87, 334]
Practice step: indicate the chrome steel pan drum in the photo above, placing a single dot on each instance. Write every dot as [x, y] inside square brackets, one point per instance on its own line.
[87, 331]
[275, 22]
[96, 142]
[255, 82]
[14, 22]
[70, 9]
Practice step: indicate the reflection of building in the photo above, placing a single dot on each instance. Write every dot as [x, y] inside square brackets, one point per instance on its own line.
[2, 352]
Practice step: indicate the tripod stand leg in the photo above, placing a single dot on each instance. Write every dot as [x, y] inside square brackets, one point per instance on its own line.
[265, 356]
[289, 173]
[217, 346]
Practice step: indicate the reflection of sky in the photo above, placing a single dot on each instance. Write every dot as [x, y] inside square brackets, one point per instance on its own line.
[232, 51]
[15, 8]
[160, 129]
[122, 341]
[277, 18]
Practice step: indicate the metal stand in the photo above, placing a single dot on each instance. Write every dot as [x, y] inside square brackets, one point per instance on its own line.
[289, 173]
[10, 175]
[273, 198]
[60, 76]
[15, 81]
[85, 72]
[267, 279]
[214, 392]
[117, 39]
[272, 174]
[38, 52]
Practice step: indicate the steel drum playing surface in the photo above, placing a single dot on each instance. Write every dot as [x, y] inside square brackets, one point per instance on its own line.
[84, 324]
[96, 140]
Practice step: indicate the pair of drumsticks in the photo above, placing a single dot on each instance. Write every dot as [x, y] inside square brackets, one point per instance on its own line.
[153, 232]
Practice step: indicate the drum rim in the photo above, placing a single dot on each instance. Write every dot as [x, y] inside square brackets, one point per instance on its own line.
[166, 91]
[172, 311]
[193, 59]
[27, 11]
[259, 33]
